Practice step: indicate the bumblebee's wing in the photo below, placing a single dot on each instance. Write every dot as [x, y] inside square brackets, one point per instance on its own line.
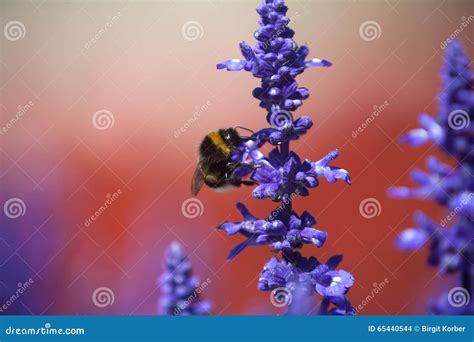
[198, 180]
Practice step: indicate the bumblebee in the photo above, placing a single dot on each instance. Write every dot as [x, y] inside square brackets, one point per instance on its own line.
[215, 166]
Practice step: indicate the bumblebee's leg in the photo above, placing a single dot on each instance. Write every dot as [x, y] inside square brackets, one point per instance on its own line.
[239, 182]
[235, 164]
[248, 182]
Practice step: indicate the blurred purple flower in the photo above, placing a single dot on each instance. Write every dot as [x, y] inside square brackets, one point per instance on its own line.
[179, 288]
[443, 305]
[452, 131]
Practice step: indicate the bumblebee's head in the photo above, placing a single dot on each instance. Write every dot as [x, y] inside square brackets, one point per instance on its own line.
[230, 136]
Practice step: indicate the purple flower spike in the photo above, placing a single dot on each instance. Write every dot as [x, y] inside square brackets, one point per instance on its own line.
[276, 59]
[180, 295]
[451, 240]
[282, 175]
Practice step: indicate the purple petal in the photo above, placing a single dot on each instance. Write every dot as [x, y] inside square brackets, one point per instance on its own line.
[294, 222]
[315, 236]
[411, 239]
[319, 271]
[231, 228]
[232, 64]
[276, 274]
[415, 137]
[265, 191]
[400, 192]
[266, 173]
[247, 51]
[279, 245]
[308, 219]
[430, 130]
[291, 164]
[240, 248]
[303, 122]
[435, 166]
[265, 239]
[334, 261]
[202, 308]
[431, 126]
[245, 212]
[275, 137]
[332, 174]
[463, 203]
[175, 253]
[317, 62]
[274, 227]
[256, 155]
[420, 177]
[328, 158]
[341, 281]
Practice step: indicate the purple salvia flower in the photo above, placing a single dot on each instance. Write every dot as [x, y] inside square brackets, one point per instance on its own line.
[452, 131]
[282, 175]
[180, 295]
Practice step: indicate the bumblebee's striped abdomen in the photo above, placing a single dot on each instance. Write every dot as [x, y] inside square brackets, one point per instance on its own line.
[210, 153]
[219, 142]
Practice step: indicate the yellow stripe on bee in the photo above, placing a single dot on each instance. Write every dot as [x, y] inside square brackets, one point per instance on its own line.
[219, 142]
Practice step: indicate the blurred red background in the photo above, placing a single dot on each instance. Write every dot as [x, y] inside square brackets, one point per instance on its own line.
[133, 60]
